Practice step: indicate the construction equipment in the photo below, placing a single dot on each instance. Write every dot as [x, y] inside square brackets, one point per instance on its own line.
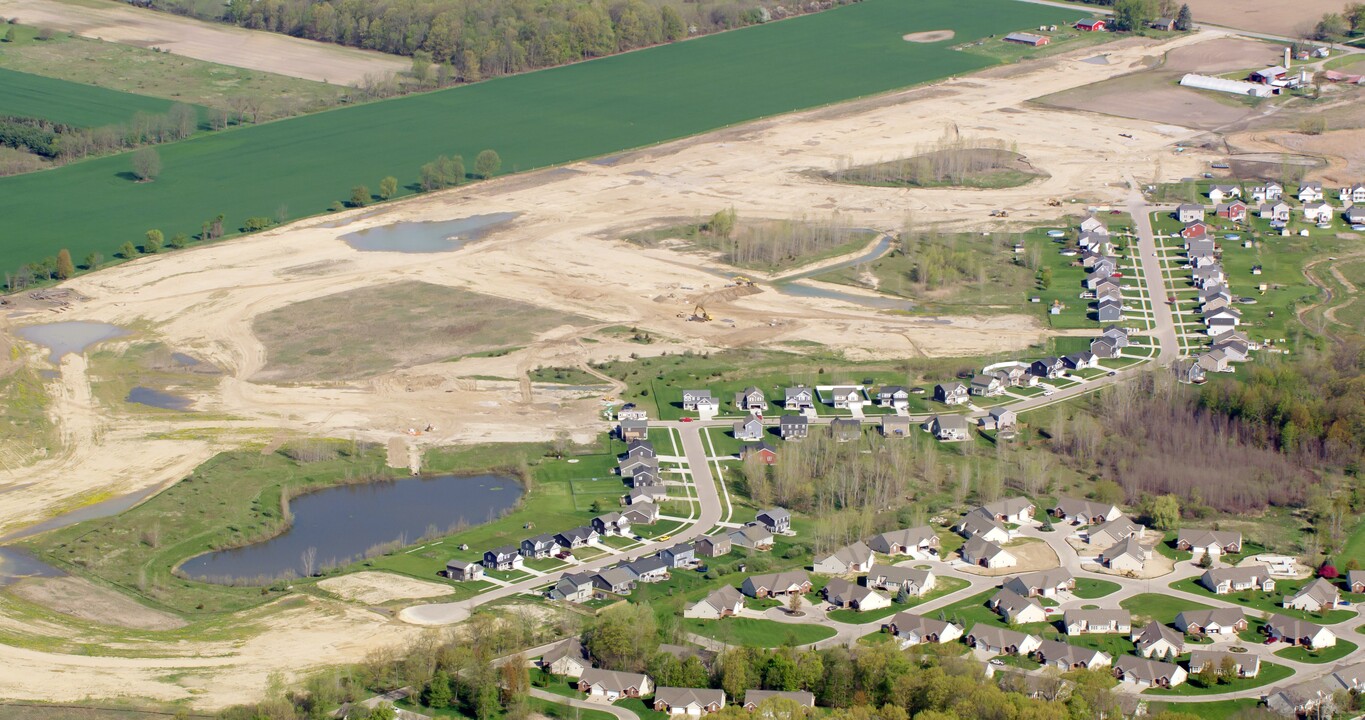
[699, 314]
[743, 281]
[1054, 202]
[1000, 213]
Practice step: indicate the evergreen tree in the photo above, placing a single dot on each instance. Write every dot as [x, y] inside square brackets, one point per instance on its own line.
[1184, 20]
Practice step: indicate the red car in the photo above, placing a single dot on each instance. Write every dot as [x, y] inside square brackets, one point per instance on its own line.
[686, 420]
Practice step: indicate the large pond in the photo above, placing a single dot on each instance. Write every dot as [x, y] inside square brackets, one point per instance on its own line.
[339, 525]
[69, 337]
[426, 237]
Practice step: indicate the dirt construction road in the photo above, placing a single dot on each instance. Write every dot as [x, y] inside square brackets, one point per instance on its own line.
[222, 44]
[563, 252]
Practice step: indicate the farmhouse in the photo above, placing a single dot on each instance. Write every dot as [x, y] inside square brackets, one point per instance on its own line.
[978, 551]
[722, 603]
[1158, 640]
[1089, 622]
[1144, 673]
[842, 593]
[612, 685]
[776, 584]
[1236, 579]
[463, 570]
[913, 629]
[853, 558]
[1024, 38]
[1016, 609]
[1065, 656]
[1002, 641]
[1216, 622]
[1316, 596]
[754, 698]
[1248, 665]
[567, 658]
[693, 702]
[891, 578]
[915, 541]
[1299, 632]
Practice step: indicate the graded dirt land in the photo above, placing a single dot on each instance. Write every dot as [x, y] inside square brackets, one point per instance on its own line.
[85, 600]
[929, 36]
[375, 588]
[565, 254]
[223, 44]
[1274, 17]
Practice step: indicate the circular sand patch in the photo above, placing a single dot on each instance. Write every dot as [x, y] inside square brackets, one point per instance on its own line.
[930, 36]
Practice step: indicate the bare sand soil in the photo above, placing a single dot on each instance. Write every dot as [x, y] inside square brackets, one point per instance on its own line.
[85, 600]
[565, 254]
[1032, 555]
[223, 44]
[1344, 150]
[929, 36]
[374, 588]
[1275, 17]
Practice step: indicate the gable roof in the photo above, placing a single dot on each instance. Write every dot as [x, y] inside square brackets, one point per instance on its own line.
[1056, 650]
[571, 648]
[1097, 616]
[920, 625]
[1039, 579]
[899, 575]
[1084, 508]
[906, 537]
[1012, 603]
[1000, 637]
[1321, 590]
[1008, 506]
[979, 547]
[1145, 670]
[853, 554]
[682, 697]
[1155, 632]
[1293, 627]
[1223, 617]
[756, 697]
[613, 680]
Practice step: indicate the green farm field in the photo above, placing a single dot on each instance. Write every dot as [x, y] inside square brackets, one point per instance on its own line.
[299, 167]
[71, 103]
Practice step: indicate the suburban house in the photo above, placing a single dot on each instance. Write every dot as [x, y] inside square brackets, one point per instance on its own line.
[981, 524]
[630, 411]
[573, 587]
[1081, 361]
[1114, 531]
[617, 580]
[911, 581]
[776, 584]
[713, 546]
[645, 495]
[1043, 583]
[578, 537]
[754, 698]
[1354, 215]
[634, 430]
[1310, 192]
[763, 450]
[630, 466]
[793, 427]
[1126, 556]
[567, 658]
[1355, 581]
[1092, 224]
[1266, 192]
[639, 449]
[916, 541]
[722, 603]
[1085, 512]
[897, 426]
[507, 557]
[1109, 310]
[953, 393]
[1217, 621]
[752, 536]
[540, 546]
[1317, 212]
[1196, 229]
[842, 593]
[1213, 361]
[1145, 673]
[1274, 211]
[463, 570]
[1248, 665]
[986, 386]
[1091, 622]
[700, 401]
[1353, 194]
[1304, 699]
[1004, 421]
[845, 429]
[612, 685]
[748, 429]
[1219, 193]
[1217, 542]
[893, 396]
[1048, 367]
[693, 702]
[1189, 212]
[854, 558]
[1014, 510]
[1158, 640]
[1235, 210]
[913, 629]
[843, 398]
[751, 399]
[798, 399]
[949, 428]
[1236, 579]
[1316, 596]
[979, 551]
[1002, 641]
[1104, 348]
[648, 569]
[612, 523]
[1299, 632]
[777, 520]
[1015, 608]
[1065, 656]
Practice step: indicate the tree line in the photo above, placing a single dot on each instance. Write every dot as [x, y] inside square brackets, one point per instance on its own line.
[485, 38]
[63, 143]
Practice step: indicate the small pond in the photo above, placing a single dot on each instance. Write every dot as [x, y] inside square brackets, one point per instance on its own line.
[796, 289]
[338, 525]
[184, 360]
[104, 508]
[16, 564]
[61, 338]
[426, 237]
[158, 399]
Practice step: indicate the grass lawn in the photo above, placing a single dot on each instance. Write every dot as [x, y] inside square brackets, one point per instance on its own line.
[536, 119]
[643, 710]
[971, 611]
[1217, 710]
[548, 708]
[753, 632]
[1091, 588]
[942, 586]
[1325, 655]
[1269, 602]
[1270, 673]
[1017, 661]
[71, 103]
[1162, 608]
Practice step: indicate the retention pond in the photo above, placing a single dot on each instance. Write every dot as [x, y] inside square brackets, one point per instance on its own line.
[426, 237]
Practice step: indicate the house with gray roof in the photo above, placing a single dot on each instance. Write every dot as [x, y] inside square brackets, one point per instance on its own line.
[981, 524]
[854, 558]
[1248, 665]
[845, 594]
[1016, 609]
[952, 393]
[568, 659]
[753, 536]
[1299, 632]
[1157, 640]
[573, 587]
[1014, 510]
[948, 428]
[1125, 556]
[1316, 596]
[751, 399]
[748, 429]
[540, 546]
[1078, 511]
[616, 580]
[1080, 621]
[611, 685]
[723, 602]
[1043, 583]
[1217, 622]
[1114, 531]
[680, 555]
[894, 579]
[912, 629]
[793, 427]
[754, 698]
[778, 584]
[1065, 656]
[920, 540]
[1236, 579]
[463, 570]
[1144, 673]
[578, 537]
[1001, 641]
[692, 702]
[979, 551]
[798, 399]
[776, 519]
[647, 569]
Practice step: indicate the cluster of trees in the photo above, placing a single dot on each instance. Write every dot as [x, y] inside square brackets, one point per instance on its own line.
[477, 39]
[953, 160]
[1332, 26]
[56, 141]
[938, 261]
[771, 243]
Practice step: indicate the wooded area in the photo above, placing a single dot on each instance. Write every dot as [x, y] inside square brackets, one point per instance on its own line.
[953, 161]
[486, 38]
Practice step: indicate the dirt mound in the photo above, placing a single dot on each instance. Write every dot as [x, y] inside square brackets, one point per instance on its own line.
[929, 36]
[88, 601]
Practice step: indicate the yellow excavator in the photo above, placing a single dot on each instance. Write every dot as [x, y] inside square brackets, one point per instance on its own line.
[699, 314]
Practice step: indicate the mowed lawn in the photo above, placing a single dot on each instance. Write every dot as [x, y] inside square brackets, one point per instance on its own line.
[298, 167]
[71, 103]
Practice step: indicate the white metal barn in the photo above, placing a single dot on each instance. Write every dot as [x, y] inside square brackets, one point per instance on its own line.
[1236, 87]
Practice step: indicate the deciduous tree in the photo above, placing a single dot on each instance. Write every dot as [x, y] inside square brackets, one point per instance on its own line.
[65, 268]
[146, 164]
[93, 260]
[360, 196]
[126, 250]
[152, 245]
[487, 163]
[387, 187]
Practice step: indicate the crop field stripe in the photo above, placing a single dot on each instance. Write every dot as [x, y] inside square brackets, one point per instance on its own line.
[533, 120]
[71, 103]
